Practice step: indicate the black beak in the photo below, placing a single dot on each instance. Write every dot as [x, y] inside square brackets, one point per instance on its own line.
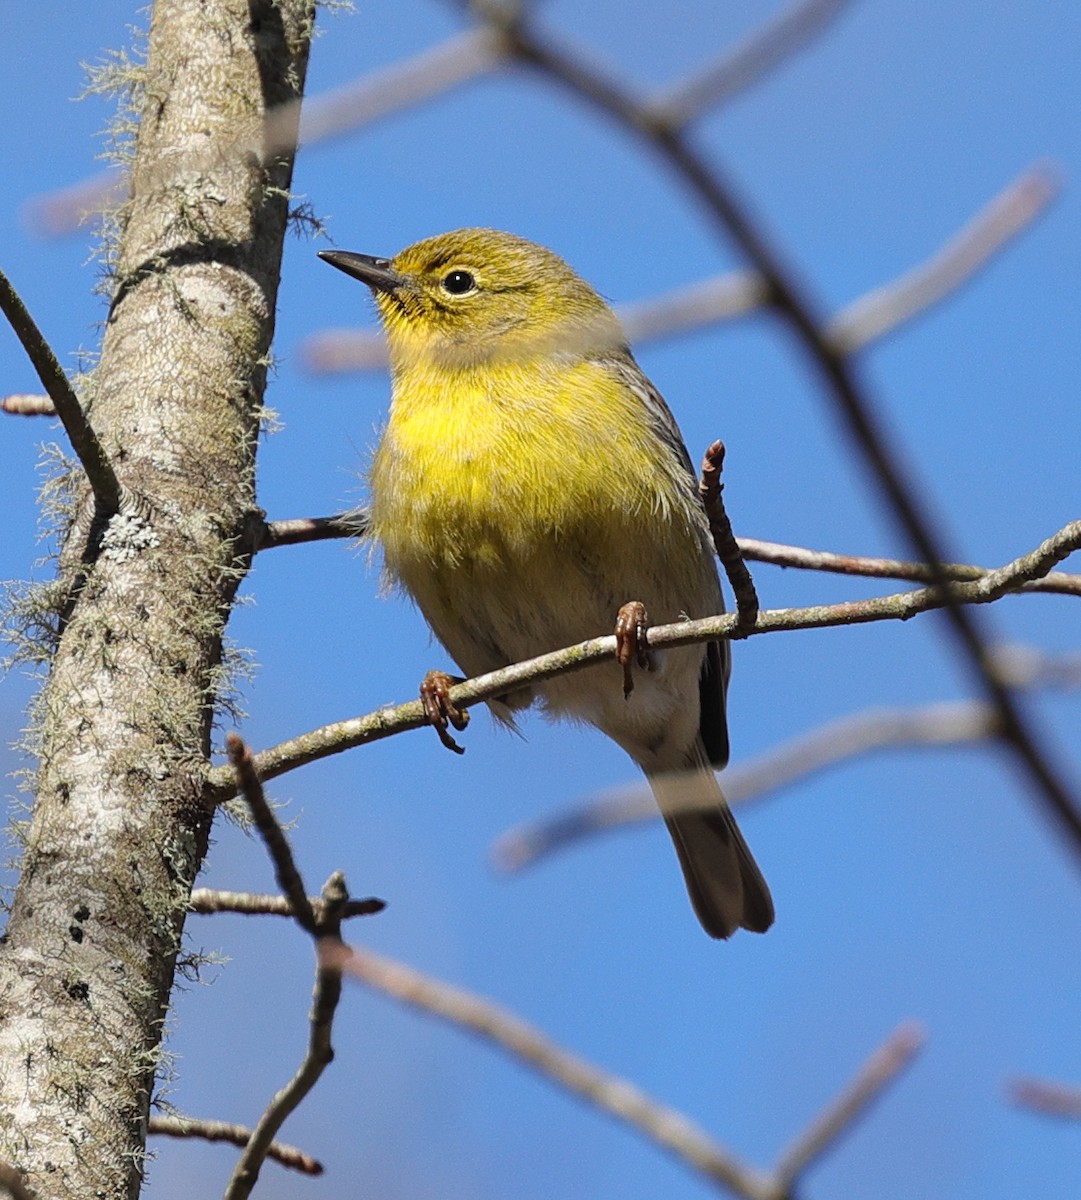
[377, 273]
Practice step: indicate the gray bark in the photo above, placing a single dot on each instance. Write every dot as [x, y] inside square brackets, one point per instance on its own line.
[120, 821]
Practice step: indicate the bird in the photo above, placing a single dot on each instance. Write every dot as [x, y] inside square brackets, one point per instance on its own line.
[529, 485]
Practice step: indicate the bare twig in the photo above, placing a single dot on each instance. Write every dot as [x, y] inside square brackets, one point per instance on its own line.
[391, 89]
[401, 85]
[662, 1125]
[324, 923]
[312, 529]
[694, 306]
[385, 722]
[270, 830]
[959, 723]
[845, 391]
[355, 524]
[887, 307]
[838, 741]
[737, 293]
[880, 1070]
[236, 1135]
[22, 404]
[83, 439]
[1047, 1097]
[888, 568]
[742, 66]
[14, 1183]
[710, 489]
[328, 990]
[214, 900]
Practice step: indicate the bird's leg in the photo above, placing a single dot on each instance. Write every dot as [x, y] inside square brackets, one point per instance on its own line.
[439, 710]
[632, 641]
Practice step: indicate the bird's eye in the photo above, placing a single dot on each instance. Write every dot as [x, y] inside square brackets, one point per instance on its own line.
[458, 283]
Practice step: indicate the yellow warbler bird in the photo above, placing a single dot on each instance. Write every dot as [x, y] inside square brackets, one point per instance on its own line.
[530, 482]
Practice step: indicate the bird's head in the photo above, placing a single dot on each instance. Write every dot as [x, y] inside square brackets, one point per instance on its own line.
[474, 295]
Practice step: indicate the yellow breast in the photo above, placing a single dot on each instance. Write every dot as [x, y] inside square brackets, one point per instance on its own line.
[476, 464]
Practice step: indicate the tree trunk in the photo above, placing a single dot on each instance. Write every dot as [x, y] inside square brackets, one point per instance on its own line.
[120, 823]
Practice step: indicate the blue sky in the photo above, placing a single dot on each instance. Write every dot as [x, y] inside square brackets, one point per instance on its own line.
[920, 885]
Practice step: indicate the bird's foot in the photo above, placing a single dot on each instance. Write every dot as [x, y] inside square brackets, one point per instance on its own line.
[439, 710]
[632, 641]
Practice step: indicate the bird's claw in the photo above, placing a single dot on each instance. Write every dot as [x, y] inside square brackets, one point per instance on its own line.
[632, 641]
[440, 710]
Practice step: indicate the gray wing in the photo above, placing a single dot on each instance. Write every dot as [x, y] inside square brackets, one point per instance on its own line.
[717, 663]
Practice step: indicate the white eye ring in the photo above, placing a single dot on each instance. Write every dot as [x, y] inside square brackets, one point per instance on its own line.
[458, 283]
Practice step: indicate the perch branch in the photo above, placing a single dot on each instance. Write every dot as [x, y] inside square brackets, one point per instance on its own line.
[236, 1135]
[84, 441]
[384, 722]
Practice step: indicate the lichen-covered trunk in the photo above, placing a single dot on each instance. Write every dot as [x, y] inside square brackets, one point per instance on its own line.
[120, 824]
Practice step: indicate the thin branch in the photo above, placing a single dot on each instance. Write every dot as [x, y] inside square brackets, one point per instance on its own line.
[660, 1124]
[852, 405]
[695, 306]
[736, 293]
[385, 722]
[961, 723]
[236, 1135]
[710, 489]
[401, 85]
[880, 1070]
[214, 900]
[83, 439]
[781, 555]
[1047, 1097]
[14, 1182]
[23, 404]
[743, 65]
[327, 993]
[312, 529]
[354, 525]
[270, 830]
[391, 89]
[887, 307]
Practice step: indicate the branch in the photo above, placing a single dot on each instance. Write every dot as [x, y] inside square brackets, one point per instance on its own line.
[742, 66]
[838, 741]
[1047, 1097]
[270, 830]
[837, 373]
[887, 307]
[724, 540]
[84, 441]
[662, 1125]
[213, 900]
[237, 1135]
[324, 925]
[695, 306]
[354, 524]
[22, 404]
[325, 997]
[385, 722]
[389, 90]
[14, 1183]
[889, 568]
[312, 529]
[880, 1070]
[725, 297]
[961, 723]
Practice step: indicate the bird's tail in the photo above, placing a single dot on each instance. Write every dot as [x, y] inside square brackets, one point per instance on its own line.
[726, 887]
